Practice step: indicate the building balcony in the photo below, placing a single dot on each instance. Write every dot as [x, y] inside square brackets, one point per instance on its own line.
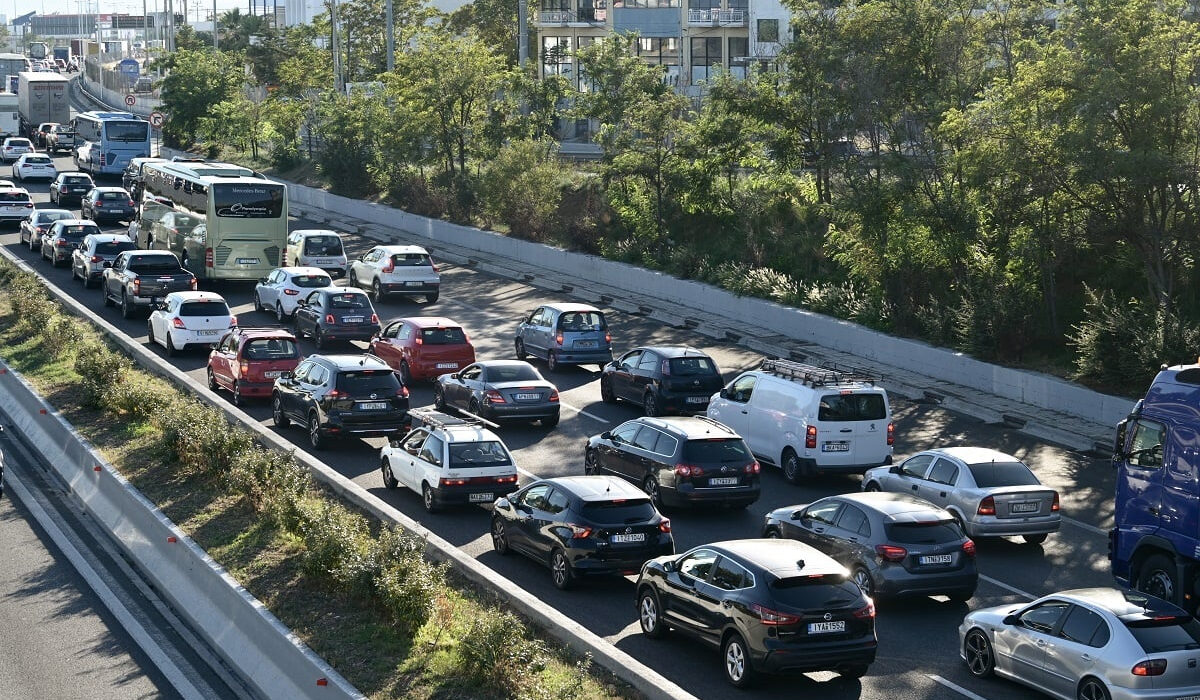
[717, 18]
[562, 18]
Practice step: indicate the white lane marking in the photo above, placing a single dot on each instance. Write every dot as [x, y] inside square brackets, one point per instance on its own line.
[582, 412]
[161, 659]
[955, 687]
[1085, 526]
[1005, 586]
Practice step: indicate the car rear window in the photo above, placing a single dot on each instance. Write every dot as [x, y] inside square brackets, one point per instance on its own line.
[49, 217]
[348, 301]
[9, 197]
[271, 349]
[323, 245]
[624, 511]
[689, 366]
[466, 455]
[1162, 635]
[411, 260]
[77, 231]
[511, 373]
[722, 450]
[582, 321]
[20, 142]
[76, 180]
[991, 474]
[208, 307]
[159, 264]
[114, 247]
[38, 160]
[311, 280]
[443, 336]
[933, 532]
[852, 407]
[114, 196]
[816, 592]
[369, 381]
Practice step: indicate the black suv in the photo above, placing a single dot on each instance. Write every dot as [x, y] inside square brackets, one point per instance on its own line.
[581, 526]
[336, 395]
[684, 460]
[771, 606]
[662, 379]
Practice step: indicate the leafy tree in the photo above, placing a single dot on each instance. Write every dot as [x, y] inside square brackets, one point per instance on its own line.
[197, 81]
[522, 187]
[363, 40]
[495, 22]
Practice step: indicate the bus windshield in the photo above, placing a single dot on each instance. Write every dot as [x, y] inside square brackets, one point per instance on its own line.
[246, 201]
[128, 131]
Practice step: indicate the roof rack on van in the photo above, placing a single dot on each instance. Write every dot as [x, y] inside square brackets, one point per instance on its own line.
[814, 375]
[437, 419]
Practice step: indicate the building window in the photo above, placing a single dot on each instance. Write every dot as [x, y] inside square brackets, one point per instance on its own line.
[704, 4]
[586, 84]
[662, 51]
[739, 50]
[556, 55]
[768, 30]
[706, 54]
[743, 5]
[646, 3]
[556, 5]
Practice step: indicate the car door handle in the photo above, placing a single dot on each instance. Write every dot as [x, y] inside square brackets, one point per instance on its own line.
[846, 430]
[943, 494]
[916, 487]
[1041, 642]
[1085, 657]
[744, 412]
[818, 529]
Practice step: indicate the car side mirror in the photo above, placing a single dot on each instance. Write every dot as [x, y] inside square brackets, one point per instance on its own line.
[161, 306]
[107, 263]
[896, 470]
[262, 280]
[287, 374]
[1012, 620]
[724, 392]
[669, 566]
[302, 303]
[606, 435]
[799, 514]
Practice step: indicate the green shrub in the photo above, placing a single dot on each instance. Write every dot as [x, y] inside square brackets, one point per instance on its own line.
[338, 544]
[199, 437]
[407, 584]
[31, 303]
[62, 334]
[495, 653]
[1122, 345]
[141, 397]
[272, 482]
[99, 369]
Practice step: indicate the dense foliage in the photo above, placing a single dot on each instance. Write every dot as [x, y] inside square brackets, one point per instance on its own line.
[1019, 183]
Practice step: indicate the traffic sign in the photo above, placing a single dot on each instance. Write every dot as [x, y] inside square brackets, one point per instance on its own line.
[156, 119]
[130, 100]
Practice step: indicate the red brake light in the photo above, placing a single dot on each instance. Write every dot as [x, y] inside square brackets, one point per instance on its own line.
[969, 548]
[688, 470]
[208, 257]
[510, 479]
[866, 613]
[96, 259]
[403, 393]
[243, 368]
[810, 437]
[607, 337]
[1150, 667]
[453, 482]
[62, 243]
[334, 393]
[195, 286]
[1054, 506]
[374, 318]
[554, 397]
[558, 338]
[177, 322]
[137, 287]
[665, 525]
[131, 203]
[233, 321]
[580, 531]
[891, 552]
[987, 506]
[494, 396]
[891, 439]
[390, 267]
[291, 292]
[418, 340]
[753, 468]
[774, 617]
[330, 319]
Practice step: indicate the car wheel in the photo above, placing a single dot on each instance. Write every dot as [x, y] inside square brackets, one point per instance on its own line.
[791, 466]
[772, 534]
[150, 339]
[1092, 689]
[237, 394]
[650, 486]
[499, 539]
[258, 303]
[428, 500]
[650, 614]
[552, 361]
[560, 570]
[520, 347]
[278, 417]
[606, 391]
[1157, 577]
[172, 351]
[650, 404]
[377, 292]
[212, 380]
[314, 432]
[591, 465]
[405, 374]
[104, 294]
[736, 656]
[873, 486]
[127, 308]
[431, 298]
[439, 397]
[550, 421]
[389, 480]
[473, 407]
[1035, 539]
[279, 315]
[87, 281]
[856, 671]
[862, 579]
[354, 279]
[978, 652]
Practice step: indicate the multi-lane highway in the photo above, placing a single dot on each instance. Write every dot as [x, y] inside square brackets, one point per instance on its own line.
[918, 639]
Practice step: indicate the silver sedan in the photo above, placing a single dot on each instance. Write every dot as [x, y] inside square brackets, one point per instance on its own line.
[499, 390]
[990, 493]
[1087, 644]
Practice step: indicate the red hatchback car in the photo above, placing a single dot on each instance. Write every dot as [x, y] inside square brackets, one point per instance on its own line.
[247, 361]
[423, 347]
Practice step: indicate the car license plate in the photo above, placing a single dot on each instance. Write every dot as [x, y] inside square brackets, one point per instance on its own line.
[413, 284]
[635, 537]
[1024, 507]
[447, 365]
[527, 397]
[697, 399]
[207, 332]
[826, 627]
[835, 447]
[352, 319]
[273, 374]
[481, 498]
[723, 481]
[585, 343]
[247, 261]
[936, 559]
[372, 405]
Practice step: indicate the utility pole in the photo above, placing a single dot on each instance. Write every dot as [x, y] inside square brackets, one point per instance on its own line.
[337, 54]
[522, 33]
[215, 48]
[391, 39]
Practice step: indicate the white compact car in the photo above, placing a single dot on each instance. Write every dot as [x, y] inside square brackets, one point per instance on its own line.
[449, 460]
[189, 318]
[280, 291]
[14, 147]
[406, 270]
[317, 248]
[34, 165]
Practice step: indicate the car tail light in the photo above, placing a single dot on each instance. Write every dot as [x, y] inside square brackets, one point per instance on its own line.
[374, 318]
[131, 203]
[1150, 667]
[137, 287]
[891, 434]
[29, 205]
[233, 321]
[390, 267]
[178, 322]
[291, 292]
[553, 397]
[62, 243]
[208, 257]
[987, 506]
[418, 341]
[867, 613]
[753, 468]
[41, 229]
[688, 470]
[969, 547]
[510, 479]
[665, 525]
[810, 437]
[243, 368]
[335, 394]
[580, 531]
[195, 285]
[494, 396]
[558, 338]
[95, 259]
[329, 318]
[891, 552]
[102, 159]
[1054, 505]
[402, 392]
[453, 482]
[433, 265]
[283, 257]
[774, 617]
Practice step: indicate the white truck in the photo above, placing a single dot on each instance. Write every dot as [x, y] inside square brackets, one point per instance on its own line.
[42, 97]
[10, 120]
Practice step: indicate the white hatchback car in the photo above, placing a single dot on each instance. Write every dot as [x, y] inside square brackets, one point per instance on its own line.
[406, 270]
[316, 248]
[34, 165]
[280, 291]
[189, 318]
[14, 147]
[15, 204]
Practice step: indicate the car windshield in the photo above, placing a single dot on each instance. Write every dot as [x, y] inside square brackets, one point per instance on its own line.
[323, 245]
[114, 247]
[311, 280]
[852, 407]
[382, 383]
[271, 349]
[719, 450]
[464, 455]
[817, 592]
[623, 512]
[991, 474]
[348, 301]
[932, 532]
[114, 196]
[411, 260]
[688, 366]
[443, 336]
[206, 307]
[1165, 634]
[511, 373]
[581, 321]
[160, 264]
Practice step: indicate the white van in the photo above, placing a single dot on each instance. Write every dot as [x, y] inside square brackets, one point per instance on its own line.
[808, 419]
[10, 120]
[320, 248]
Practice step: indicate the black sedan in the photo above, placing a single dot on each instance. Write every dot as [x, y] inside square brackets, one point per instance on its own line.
[335, 313]
[581, 526]
[499, 390]
[770, 606]
[662, 379]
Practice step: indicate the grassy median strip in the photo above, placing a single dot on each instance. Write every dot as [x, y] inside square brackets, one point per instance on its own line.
[360, 593]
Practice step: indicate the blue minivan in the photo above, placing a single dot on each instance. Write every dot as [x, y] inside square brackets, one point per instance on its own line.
[566, 333]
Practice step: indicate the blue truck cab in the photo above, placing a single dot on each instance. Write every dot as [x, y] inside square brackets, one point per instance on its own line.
[1155, 544]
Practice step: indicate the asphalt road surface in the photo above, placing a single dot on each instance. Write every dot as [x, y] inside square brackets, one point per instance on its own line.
[918, 643]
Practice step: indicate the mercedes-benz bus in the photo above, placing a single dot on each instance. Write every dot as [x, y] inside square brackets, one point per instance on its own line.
[108, 140]
[223, 226]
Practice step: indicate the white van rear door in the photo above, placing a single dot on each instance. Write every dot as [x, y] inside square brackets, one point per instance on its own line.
[852, 428]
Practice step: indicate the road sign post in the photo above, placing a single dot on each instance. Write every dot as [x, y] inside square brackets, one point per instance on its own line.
[156, 119]
[130, 100]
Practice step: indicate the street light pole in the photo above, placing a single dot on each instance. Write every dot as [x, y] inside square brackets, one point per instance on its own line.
[391, 39]
[337, 54]
[215, 48]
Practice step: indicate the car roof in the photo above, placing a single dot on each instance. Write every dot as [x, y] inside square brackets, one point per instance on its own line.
[303, 271]
[264, 332]
[673, 350]
[431, 321]
[54, 211]
[975, 455]
[598, 488]
[74, 173]
[34, 153]
[505, 363]
[393, 249]
[781, 557]
[109, 189]
[111, 237]
[1123, 603]
[75, 222]
[896, 507]
[351, 362]
[690, 426]
[195, 295]
[565, 306]
[12, 190]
